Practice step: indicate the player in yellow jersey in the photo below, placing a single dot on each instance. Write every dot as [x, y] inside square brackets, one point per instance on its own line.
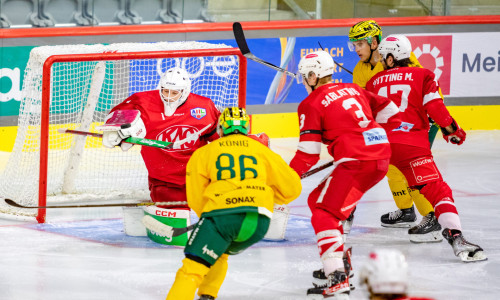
[364, 38]
[232, 184]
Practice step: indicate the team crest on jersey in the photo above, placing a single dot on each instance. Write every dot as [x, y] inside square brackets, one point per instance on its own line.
[406, 127]
[188, 134]
[198, 113]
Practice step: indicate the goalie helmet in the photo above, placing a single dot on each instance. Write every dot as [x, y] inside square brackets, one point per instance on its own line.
[365, 30]
[175, 81]
[386, 272]
[318, 62]
[234, 120]
[396, 44]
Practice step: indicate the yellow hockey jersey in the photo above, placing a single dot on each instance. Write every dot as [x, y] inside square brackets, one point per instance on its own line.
[238, 173]
[363, 71]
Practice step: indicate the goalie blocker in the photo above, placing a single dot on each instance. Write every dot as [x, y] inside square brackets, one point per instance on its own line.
[120, 125]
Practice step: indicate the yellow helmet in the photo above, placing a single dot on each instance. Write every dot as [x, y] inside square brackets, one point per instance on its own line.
[365, 30]
[234, 120]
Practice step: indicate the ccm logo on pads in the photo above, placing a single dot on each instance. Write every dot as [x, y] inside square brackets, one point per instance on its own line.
[162, 213]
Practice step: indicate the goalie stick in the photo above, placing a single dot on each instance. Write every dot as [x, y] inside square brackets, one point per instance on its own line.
[165, 230]
[143, 141]
[239, 36]
[15, 204]
[130, 140]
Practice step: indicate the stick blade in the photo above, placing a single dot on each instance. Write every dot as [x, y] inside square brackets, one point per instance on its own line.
[13, 203]
[239, 36]
[157, 226]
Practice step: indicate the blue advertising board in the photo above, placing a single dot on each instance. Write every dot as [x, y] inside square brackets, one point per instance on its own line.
[267, 86]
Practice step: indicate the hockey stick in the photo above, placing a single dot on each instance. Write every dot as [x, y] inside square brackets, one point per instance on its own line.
[239, 36]
[163, 229]
[15, 204]
[347, 70]
[318, 169]
[130, 140]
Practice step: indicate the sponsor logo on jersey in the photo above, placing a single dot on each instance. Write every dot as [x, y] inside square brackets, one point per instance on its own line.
[434, 53]
[406, 127]
[237, 200]
[198, 113]
[424, 170]
[209, 252]
[375, 136]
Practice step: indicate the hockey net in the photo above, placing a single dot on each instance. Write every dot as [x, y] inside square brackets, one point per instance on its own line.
[75, 86]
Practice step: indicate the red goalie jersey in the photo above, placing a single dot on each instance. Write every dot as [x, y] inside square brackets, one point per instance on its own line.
[189, 118]
[416, 92]
[347, 119]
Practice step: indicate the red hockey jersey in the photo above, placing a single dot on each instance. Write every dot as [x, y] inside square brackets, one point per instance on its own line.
[346, 118]
[191, 117]
[416, 92]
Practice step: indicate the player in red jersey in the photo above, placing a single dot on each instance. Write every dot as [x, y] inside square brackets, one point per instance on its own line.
[385, 275]
[416, 92]
[346, 118]
[169, 114]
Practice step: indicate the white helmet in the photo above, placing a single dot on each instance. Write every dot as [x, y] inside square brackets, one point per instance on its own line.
[386, 272]
[396, 44]
[174, 79]
[318, 62]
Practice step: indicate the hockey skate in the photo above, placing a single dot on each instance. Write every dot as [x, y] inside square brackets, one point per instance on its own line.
[400, 218]
[337, 287]
[319, 277]
[428, 231]
[467, 252]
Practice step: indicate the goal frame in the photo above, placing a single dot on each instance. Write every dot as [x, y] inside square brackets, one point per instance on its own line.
[46, 95]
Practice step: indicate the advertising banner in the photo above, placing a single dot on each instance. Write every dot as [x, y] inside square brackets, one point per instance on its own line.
[466, 65]
[475, 65]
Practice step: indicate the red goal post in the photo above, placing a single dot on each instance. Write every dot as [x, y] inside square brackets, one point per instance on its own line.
[218, 73]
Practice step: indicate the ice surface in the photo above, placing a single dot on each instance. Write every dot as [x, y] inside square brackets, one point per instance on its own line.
[70, 258]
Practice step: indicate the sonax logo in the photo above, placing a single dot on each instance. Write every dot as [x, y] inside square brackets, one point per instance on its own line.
[434, 53]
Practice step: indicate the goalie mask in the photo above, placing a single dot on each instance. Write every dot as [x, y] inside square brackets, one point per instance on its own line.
[397, 45]
[174, 89]
[234, 120]
[386, 272]
[319, 62]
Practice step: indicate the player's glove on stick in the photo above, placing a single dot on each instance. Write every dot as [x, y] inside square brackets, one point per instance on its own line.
[456, 135]
[120, 125]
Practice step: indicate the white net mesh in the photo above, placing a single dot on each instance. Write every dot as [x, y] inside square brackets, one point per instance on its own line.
[82, 93]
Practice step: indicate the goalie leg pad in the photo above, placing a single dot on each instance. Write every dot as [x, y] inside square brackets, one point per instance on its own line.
[172, 217]
[132, 224]
[277, 227]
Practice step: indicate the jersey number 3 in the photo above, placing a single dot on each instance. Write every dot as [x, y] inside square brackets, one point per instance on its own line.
[225, 166]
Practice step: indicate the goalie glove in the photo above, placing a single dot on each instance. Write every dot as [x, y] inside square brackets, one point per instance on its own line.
[122, 124]
[457, 134]
[262, 138]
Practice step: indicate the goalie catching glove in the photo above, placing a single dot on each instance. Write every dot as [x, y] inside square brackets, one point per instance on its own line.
[456, 135]
[120, 125]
